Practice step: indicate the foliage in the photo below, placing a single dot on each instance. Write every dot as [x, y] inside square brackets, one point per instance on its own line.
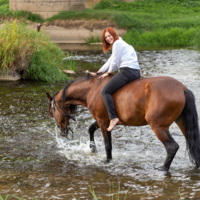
[163, 37]
[148, 22]
[196, 40]
[93, 39]
[6, 13]
[114, 196]
[103, 4]
[30, 52]
[87, 14]
[157, 22]
[141, 4]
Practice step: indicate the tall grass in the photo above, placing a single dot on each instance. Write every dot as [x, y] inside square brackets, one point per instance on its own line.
[113, 195]
[31, 53]
[70, 62]
[93, 39]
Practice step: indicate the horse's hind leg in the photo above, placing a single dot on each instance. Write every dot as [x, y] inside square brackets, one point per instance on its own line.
[180, 123]
[170, 145]
[93, 127]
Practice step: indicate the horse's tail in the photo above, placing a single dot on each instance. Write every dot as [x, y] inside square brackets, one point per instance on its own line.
[191, 128]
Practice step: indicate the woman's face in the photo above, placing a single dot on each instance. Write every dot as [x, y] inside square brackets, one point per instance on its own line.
[109, 38]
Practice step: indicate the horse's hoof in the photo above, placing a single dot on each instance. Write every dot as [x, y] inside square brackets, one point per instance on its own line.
[163, 169]
[107, 161]
[93, 147]
[94, 150]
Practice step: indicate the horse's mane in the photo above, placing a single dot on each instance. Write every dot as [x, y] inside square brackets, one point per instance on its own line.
[85, 78]
[73, 108]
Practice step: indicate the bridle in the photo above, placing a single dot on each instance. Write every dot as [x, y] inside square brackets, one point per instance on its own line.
[67, 128]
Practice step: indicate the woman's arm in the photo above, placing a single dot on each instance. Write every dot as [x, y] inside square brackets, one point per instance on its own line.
[116, 56]
[105, 67]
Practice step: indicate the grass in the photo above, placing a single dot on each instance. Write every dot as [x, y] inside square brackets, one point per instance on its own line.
[148, 22]
[114, 196]
[93, 39]
[32, 54]
[5, 13]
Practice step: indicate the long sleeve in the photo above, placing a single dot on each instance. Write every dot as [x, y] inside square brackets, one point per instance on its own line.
[106, 66]
[116, 56]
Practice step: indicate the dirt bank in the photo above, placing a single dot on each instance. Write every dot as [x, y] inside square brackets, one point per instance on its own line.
[70, 31]
[75, 31]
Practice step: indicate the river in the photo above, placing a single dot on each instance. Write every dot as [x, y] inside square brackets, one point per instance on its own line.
[36, 161]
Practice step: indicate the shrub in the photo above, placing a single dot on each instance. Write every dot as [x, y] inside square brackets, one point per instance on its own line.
[31, 53]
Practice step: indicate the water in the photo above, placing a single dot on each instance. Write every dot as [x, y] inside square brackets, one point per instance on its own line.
[36, 161]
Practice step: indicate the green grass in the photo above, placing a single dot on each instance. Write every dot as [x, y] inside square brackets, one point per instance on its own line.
[113, 195]
[93, 39]
[148, 22]
[164, 37]
[32, 54]
[6, 13]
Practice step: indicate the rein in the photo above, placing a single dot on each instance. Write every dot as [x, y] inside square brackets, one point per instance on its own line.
[67, 129]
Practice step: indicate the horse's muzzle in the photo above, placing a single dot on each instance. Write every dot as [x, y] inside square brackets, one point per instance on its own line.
[65, 133]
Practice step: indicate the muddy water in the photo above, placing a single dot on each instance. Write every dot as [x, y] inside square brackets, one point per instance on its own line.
[36, 161]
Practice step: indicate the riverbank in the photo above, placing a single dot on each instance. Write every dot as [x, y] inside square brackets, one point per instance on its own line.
[144, 22]
[75, 31]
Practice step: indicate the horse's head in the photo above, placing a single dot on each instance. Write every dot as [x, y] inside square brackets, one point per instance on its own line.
[61, 113]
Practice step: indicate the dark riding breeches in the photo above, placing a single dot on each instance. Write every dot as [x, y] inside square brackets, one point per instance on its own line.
[125, 76]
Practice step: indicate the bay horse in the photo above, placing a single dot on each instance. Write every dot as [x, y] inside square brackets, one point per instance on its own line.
[157, 101]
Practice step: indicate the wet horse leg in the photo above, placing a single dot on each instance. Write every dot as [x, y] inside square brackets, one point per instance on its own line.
[107, 138]
[170, 145]
[93, 127]
[108, 145]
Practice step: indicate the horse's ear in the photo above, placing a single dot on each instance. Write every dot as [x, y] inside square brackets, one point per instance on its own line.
[49, 96]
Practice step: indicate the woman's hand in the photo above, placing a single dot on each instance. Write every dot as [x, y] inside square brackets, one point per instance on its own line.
[103, 76]
[93, 74]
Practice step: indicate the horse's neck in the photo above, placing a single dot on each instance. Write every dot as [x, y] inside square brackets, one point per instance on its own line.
[77, 93]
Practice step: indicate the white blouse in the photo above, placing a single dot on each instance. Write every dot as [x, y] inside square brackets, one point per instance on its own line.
[123, 55]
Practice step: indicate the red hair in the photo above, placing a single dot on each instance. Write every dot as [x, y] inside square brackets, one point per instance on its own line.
[106, 45]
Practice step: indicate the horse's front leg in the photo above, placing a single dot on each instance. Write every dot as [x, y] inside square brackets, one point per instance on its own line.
[93, 127]
[107, 139]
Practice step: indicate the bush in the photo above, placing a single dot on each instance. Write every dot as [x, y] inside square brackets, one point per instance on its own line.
[31, 53]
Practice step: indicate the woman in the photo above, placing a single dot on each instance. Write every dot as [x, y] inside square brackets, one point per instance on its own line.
[125, 59]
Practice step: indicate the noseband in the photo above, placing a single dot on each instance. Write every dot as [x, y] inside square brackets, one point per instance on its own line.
[53, 103]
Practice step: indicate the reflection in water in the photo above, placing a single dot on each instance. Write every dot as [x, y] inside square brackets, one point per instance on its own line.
[36, 161]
